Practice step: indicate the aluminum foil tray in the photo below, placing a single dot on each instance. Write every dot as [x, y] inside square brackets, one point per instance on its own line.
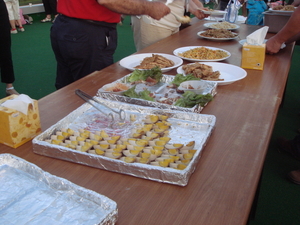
[30, 195]
[185, 127]
[160, 90]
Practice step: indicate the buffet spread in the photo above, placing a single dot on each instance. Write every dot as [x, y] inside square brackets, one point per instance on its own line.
[160, 137]
[150, 124]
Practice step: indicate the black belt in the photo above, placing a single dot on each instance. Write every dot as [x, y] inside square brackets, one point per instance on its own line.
[94, 22]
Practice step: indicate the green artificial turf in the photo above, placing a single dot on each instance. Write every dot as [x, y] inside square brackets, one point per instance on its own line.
[279, 199]
[34, 61]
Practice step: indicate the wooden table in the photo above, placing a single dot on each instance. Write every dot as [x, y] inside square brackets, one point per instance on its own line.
[223, 186]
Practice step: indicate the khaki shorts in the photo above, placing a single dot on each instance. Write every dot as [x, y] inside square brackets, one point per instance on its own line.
[13, 9]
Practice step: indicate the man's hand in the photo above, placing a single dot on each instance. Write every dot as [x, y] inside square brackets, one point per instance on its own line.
[273, 46]
[296, 3]
[196, 7]
[158, 10]
[199, 14]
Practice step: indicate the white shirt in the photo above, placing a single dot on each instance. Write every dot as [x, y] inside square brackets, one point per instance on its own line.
[169, 21]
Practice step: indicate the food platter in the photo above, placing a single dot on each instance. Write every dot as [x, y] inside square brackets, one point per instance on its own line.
[160, 90]
[214, 12]
[130, 62]
[184, 128]
[181, 50]
[280, 11]
[230, 73]
[216, 39]
[211, 25]
[31, 195]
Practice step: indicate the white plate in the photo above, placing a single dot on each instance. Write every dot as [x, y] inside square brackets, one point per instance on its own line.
[280, 11]
[184, 49]
[198, 86]
[214, 12]
[208, 25]
[215, 18]
[134, 60]
[242, 42]
[216, 39]
[240, 19]
[230, 73]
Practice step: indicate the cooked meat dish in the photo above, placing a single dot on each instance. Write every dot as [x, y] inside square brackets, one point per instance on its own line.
[202, 71]
[218, 33]
[155, 60]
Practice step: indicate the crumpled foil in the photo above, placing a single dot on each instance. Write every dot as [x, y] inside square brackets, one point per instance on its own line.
[32, 196]
[186, 127]
[160, 90]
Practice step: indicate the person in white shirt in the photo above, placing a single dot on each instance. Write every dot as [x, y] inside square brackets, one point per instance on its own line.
[147, 31]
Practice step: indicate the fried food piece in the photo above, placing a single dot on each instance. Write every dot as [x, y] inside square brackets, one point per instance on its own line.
[278, 7]
[155, 60]
[202, 71]
[289, 8]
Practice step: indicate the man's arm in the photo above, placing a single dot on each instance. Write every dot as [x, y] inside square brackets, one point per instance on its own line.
[287, 33]
[296, 3]
[194, 6]
[156, 10]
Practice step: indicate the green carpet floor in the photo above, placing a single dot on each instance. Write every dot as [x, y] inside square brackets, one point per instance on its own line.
[34, 61]
[279, 200]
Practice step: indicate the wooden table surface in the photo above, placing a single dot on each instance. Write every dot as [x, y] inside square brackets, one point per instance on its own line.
[223, 186]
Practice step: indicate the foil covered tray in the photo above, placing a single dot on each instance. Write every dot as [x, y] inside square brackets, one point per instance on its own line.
[185, 128]
[33, 196]
[160, 90]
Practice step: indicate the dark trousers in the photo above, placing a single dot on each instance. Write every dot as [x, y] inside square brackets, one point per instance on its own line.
[50, 7]
[81, 47]
[6, 64]
[296, 144]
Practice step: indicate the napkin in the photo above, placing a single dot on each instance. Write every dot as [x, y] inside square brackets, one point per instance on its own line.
[258, 36]
[19, 103]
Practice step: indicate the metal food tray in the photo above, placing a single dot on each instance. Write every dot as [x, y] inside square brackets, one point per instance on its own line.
[186, 127]
[160, 90]
[33, 196]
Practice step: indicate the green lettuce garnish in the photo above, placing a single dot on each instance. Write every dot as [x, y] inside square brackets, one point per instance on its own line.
[179, 78]
[131, 93]
[142, 75]
[189, 99]
[145, 94]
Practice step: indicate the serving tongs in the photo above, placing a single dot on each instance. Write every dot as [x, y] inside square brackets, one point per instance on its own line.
[91, 100]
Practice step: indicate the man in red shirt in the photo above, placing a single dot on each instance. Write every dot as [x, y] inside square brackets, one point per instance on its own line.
[84, 35]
